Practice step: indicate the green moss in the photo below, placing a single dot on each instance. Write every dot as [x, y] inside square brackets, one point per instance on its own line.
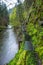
[23, 57]
[33, 29]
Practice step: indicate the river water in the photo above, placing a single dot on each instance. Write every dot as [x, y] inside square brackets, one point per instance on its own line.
[8, 45]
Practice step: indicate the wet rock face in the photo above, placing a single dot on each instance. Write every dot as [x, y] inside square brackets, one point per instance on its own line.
[28, 46]
[41, 24]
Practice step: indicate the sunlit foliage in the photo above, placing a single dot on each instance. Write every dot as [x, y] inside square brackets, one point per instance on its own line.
[32, 20]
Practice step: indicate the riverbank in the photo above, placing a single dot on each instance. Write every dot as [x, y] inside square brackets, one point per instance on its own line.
[2, 28]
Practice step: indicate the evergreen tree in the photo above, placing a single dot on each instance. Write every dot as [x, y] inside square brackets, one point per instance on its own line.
[4, 17]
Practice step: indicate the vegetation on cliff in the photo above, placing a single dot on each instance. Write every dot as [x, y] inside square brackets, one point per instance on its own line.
[29, 20]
